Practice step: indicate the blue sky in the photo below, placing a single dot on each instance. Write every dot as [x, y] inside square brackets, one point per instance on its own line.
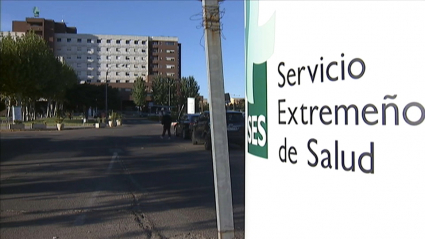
[177, 18]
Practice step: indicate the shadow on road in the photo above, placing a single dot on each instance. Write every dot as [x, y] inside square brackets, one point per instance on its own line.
[156, 175]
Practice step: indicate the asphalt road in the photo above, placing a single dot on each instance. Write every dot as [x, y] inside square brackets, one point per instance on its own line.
[122, 182]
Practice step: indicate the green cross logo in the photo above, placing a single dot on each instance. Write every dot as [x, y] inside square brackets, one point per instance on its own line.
[259, 48]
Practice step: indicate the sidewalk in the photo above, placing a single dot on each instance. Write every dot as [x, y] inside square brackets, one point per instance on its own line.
[5, 127]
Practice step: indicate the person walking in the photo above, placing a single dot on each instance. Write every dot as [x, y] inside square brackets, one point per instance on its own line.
[166, 124]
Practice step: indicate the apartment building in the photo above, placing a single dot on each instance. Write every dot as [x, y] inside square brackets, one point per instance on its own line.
[116, 59]
[43, 27]
[104, 58]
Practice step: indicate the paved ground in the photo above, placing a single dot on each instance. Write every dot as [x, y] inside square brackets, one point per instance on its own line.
[122, 182]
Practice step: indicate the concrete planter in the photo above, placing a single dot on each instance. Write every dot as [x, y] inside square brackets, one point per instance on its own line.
[112, 123]
[38, 126]
[16, 126]
[99, 125]
[60, 126]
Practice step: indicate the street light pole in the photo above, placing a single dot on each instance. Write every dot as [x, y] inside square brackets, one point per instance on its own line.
[106, 95]
[169, 94]
[106, 91]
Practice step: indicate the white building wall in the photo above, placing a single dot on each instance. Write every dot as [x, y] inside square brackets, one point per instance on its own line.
[12, 34]
[124, 57]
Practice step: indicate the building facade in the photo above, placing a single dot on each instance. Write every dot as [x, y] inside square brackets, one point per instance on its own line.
[43, 27]
[115, 59]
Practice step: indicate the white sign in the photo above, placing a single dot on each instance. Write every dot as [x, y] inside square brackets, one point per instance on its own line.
[16, 113]
[335, 119]
[191, 105]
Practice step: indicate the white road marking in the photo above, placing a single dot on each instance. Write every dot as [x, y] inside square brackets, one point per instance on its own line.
[80, 219]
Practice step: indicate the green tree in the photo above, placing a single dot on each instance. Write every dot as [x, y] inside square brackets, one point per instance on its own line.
[188, 88]
[29, 71]
[139, 92]
[164, 91]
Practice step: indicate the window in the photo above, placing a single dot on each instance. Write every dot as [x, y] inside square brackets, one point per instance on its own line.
[90, 50]
[68, 57]
[59, 49]
[89, 73]
[169, 51]
[170, 58]
[143, 66]
[169, 43]
[68, 40]
[98, 81]
[59, 40]
[79, 57]
[136, 42]
[170, 66]
[143, 42]
[107, 49]
[88, 64]
[136, 74]
[99, 40]
[89, 58]
[89, 41]
[127, 74]
[117, 57]
[108, 57]
[127, 42]
[79, 40]
[143, 50]
[79, 73]
[155, 43]
[127, 58]
[78, 48]
[126, 49]
[170, 74]
[98, 57]
[98, 49]
[117, 49]
[78, 64]
[136, 66]
[98, 65]
[108, 41]
[68, 49]
[118, 41]
[88, 81]
[98, 73]
[117, 73]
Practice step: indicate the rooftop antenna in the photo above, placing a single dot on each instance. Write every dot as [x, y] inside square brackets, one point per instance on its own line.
[36, 11]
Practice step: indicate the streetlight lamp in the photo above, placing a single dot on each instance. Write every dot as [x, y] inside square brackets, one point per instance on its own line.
[169, 94]
[106, 90]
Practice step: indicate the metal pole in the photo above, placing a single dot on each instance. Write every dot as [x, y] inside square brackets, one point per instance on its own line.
[169, 94]
[106, 96]
[220, 151]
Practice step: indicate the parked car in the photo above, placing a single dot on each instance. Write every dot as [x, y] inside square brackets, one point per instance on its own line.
[235, 124]
[184, 124]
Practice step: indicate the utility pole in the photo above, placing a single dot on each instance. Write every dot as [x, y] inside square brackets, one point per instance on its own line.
[220, 150]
